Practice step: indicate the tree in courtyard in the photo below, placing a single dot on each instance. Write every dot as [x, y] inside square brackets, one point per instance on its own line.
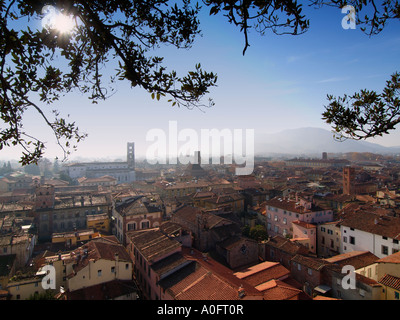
[258, 232]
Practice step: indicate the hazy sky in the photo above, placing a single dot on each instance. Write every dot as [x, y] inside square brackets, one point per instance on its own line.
[281, 83]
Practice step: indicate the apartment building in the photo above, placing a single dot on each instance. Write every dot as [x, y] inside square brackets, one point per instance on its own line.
[282, 212]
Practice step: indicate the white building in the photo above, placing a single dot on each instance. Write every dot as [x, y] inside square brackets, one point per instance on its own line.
[124, 172]
[372, 232]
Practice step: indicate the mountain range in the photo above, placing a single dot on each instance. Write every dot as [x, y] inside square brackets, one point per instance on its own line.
[311, 141]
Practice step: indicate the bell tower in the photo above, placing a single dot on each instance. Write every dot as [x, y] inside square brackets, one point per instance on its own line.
[348, 180]
[131, 155]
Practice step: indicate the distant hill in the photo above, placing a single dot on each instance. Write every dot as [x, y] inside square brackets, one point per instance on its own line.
[312, 141]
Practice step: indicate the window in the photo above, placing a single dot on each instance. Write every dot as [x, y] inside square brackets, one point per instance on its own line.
[112, 269]
[384, 238]
[99, 273]
[276, 218]
[145, 224]
[131, 226]
[330, 231]
[323, 240]
[395, 241]
[309, 271]
[384, 250]
[322, 229]
[299, 267]
[284, 221]
[345, 239]
[352, 240]
[396, 295]
[126, 266]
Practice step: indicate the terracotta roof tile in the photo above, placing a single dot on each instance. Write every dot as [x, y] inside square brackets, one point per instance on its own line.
[393, 258]
[278, 290]
[374, 223]
[358, 259]
[263, 272]
[390, 281]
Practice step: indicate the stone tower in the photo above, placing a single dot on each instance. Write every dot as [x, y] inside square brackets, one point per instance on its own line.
[131, 155]
[348, 180]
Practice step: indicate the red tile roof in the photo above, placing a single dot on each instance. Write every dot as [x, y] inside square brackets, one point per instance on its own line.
[263, 272]
[358, 259]
[278, 290]
[393, 258]
[371, 222]
[206, 279]
[104, 291]
[390, 281]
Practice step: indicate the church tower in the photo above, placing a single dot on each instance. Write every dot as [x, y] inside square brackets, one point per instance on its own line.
[131, 155]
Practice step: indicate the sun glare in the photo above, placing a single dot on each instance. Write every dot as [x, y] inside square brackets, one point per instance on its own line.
[55, 20]
[63, 23]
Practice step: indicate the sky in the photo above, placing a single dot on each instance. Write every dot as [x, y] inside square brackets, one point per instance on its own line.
[280, 83]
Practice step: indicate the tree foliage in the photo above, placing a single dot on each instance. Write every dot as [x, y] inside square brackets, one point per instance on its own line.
[366, 113]
[39, 66]
[258, 232]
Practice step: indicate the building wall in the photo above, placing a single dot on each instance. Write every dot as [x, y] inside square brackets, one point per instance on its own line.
[279, 220]
[146, 278]
[328, 240]
[23, 249]
[310, 233]
[101, 224]
[361, 291]
[242, 254]
[388, 293]
[134, 222]
[388, 268]
[366, 241]
[90, 275]
[308, 277]
[370, 271]
[22, 290]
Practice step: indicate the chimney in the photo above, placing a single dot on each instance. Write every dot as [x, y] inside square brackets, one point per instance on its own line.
[241, 292]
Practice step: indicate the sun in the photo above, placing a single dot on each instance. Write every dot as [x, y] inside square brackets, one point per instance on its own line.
[56, 20]
[64, 23]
